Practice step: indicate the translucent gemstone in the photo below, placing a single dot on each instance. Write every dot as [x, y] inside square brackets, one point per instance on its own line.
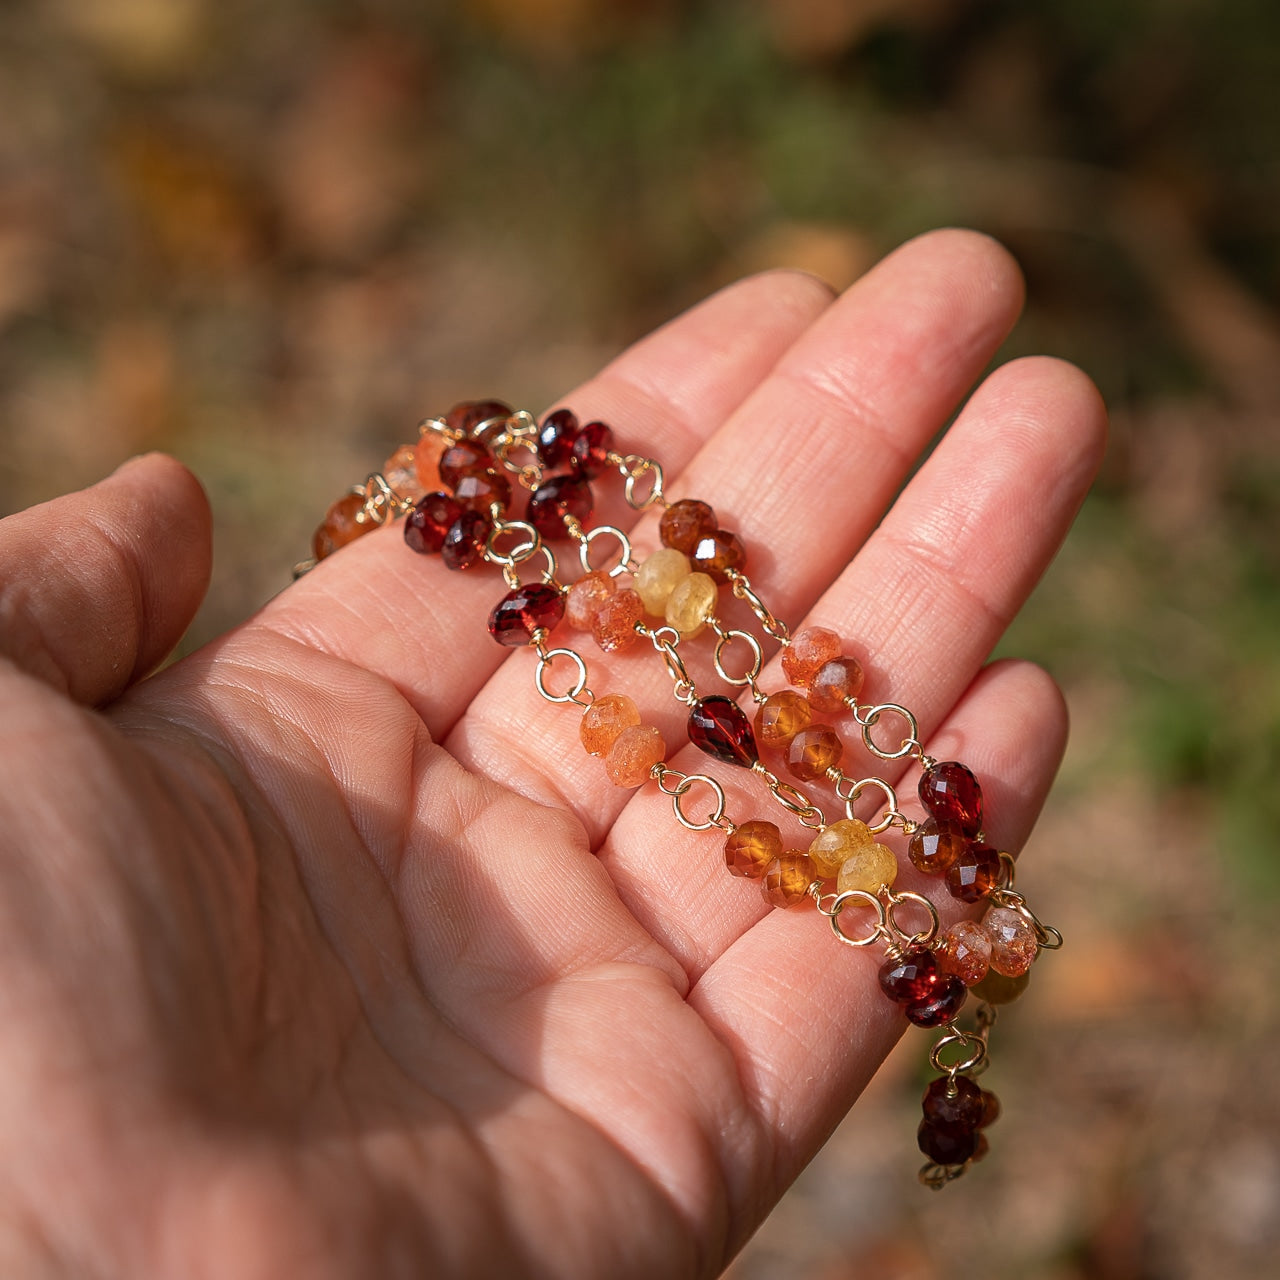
[835, 681]
[834, 845]
[787, 879]
[809, 650]
[1013, 941]
[614, 626]
[718, 726]
[946, 1146]
[684, 523]
[953, 1104]
[813, 751]
[462, 458]
[604, 720]
[467, 415]
[909, 977]
[934, 846]
[556, 436]
[591, 447]
[752, 847]
[401, 473]
[427, 525]
[942, 1005]
[995, 988]
[556, 498]
[464, 543]
[523, 611]
[340, 526]
[990, 1109]
[949, 791]
[481, 489]
[717, 552]
[634, 753]
[658, 576]
[426, 461]
[780, 717]
[868, 869]
[965, 950]
[691, 602]
[974, 873]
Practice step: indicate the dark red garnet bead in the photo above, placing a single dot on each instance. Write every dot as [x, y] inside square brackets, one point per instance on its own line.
[718, 726]
[467, 415]
[954, 1104]
[974, 874]
[591, 447]
[946, 1146]
[460, 459]
[950, 793]
[555, 438]
[464, 543]
[910, 977]
[556, 498]
[523, 611]
[942, 1005]
[426, 526]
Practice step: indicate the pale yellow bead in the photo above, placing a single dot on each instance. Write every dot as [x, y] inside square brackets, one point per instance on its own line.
[833, 846]
[657, 578]
[691, 603]
[868, 869]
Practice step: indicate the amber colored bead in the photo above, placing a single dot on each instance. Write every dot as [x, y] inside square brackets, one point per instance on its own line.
[948, 790]
[428, 524]
[813, 751]
[464, 543]
[718, 726]
[524, 611]
[974, 873]
[752, 847]
[657, 577]
[481, 490]
[461, 459]
[835, 844]
[953, 1104]
[780, 717]
[1013, 941]
[964, 949]
[787, 879]
[868, 869]
[947, 1146]
[691, 602]
[426, 461]
[995, 988]
[467, 415]
[556, 498]
[401, 473]
[634, 753]
[340, 526]
[684, 523]
[834, 683]
[614, 626]
[909, 977]
[556, 436]
[934, 846]
[990, 1109]
[941, 1005]
[604, 720]
[590, 448]
[716, 553]
[809, 650]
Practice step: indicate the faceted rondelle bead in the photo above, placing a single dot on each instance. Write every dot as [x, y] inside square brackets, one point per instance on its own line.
[523, 611]
[934, 846]
[909, 977]
[964, 949]
[614, 626]
[428, 524]
[684, 523]
[340, 526]
[585, 598]
[751, 847]
[461, 458]
[691, 602]
[481, 489]
[809, 650]
[604, 720]
[556, 498]
[974, 873]
[657, 577]
[780, 717]
[836, 843]
[813, 751]
[718, 726]
[995, 988]
[868, 869]
[716, 553]
[834, 682]
[990, 1109]
[401, 473]
[634, 753]
[467, 415]
[787, 879]
[1013, 941]
[590, 448]
[426, 461]
[556, 436]
[953, 1104]
[464, 543]
[941, 1005]
[948, 790]
[946, 1146]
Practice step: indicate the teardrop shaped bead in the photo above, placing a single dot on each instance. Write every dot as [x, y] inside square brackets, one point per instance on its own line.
[718, 726]
[524, 611]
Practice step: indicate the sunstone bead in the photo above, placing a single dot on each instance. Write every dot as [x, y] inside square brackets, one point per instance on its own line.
[1013, 941]
[751, 847]
[718, 726]
[523, 611]
[614, 626]
[964, 949]
[834, 682]
[426, 461]
[909, 977]
[556, 436]
[954, 1104]
[716, 553]
[834, 845]
[401, 472]
[634, 753]
[813, 751]
[604, 720]
[465, 542]
[808, 651]
[461, 458]
[467, 415]
[684, 523]
[948, 790]
[657, 577]
[428, 524]
[995, 988]
[941, 1005]
[691, 602]
[974, 873]
[340, 526]
[780, 717]
[946, 1146]
[787, 879]
[590, 449]
[934, 846]
[868, 869]
[585, 598]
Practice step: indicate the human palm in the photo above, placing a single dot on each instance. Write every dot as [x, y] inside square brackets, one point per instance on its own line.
[327, 952]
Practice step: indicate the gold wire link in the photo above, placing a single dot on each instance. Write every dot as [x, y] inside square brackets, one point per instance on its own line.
[665, 640]
[685, 782]
[1047, 937]
[868, 717]
[580, 694]
[381, 501]
[438, 427]
[862, 898]
[973, 1042]
[921, 939]
[723, 640]
[849, 789]
[743, 590]
[633, 468]
[585, 537]
[936, 1176]
[791, 799]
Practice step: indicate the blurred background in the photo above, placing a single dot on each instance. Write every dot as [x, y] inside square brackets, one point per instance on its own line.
[268, 238]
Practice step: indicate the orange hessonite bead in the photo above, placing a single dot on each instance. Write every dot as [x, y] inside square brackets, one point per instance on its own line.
[868, 869]
[1013, 941]
[684, 523]
[400, 472]
[752, 847]
[813, 751]
[634, 753]
[781, 716]
[717, 552]
[934, 846]
[604, 720]
[809, 650]
[614, 626]
[586, 597]
[835, 681]
[340, 526]
[480, 488]
[834, 845]
[965, 950]
[787, 879]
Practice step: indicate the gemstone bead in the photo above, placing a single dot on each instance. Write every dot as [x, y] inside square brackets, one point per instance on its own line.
[868, 869]
[692, 601]
[401, 473]
[1013, 941]
[556, 436]
[752, 847]
[934, 846]
[910, 977]
[461, 458]
[428, 524]
[718, 726]
[523, 611]
[809, 650]
[995, 988]
[780, 717]
[813, 751]
[426, 461]
[965, 950]
[834, 845]
[590, 448]
[974, 873]
[556, 498]
[684, 523]
[604, 720]
[585, 598]
[946, 1146]
[634, 753]
[787, 879]
[464, 543]
[467, 415]
[340, 526]
[614, 626]
[657, 577]
[954, 1104]
[948, 790]
[834, 682]
[990, 1109]
[942, 1005]
[481, 489]
[716, 553]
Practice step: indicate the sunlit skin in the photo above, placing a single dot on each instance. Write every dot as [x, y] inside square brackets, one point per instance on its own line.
[329, 952]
